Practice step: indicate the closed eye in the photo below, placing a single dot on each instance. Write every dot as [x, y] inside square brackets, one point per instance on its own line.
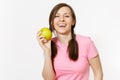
[57, 16]
[67, 16]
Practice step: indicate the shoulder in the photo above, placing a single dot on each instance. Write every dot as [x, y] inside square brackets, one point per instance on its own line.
[82, 38]
[85, 40]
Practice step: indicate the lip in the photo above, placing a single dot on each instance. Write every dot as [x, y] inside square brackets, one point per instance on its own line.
[61, 24]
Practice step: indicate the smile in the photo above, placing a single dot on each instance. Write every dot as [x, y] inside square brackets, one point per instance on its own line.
[61, 25]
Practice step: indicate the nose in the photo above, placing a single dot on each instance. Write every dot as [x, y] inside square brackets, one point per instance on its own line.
[62, 18]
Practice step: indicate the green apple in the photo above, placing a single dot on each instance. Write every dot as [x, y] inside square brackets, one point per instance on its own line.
[46, 32]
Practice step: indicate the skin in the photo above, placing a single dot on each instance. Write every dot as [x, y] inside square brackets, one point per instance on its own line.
[62, 24]
[96, 67]
[64, 18]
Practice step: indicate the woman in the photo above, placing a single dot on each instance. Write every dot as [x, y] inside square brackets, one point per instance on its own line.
[68, 56]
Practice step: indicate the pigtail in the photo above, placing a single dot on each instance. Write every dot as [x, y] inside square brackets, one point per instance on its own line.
[73, 47]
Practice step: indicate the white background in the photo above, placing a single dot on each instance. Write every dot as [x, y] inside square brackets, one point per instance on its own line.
[21, 58]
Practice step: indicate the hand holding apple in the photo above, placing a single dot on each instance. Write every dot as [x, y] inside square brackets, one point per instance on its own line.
[46, 32]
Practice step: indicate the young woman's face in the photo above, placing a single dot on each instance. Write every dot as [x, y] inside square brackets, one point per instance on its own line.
[63, 20]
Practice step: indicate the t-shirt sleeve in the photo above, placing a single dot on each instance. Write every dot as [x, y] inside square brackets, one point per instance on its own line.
[92, 50]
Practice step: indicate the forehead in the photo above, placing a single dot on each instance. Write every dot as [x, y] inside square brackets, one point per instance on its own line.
[64, 9]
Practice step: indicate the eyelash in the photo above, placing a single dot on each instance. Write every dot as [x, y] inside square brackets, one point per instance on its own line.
[65, 16]
[56, 16]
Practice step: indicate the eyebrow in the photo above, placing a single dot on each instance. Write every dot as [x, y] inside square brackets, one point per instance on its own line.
[64, 13]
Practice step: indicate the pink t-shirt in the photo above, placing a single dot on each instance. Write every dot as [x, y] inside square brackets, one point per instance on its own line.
[67, 69]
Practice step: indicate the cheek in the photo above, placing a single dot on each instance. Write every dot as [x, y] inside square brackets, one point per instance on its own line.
[55, 21]
[70, 22]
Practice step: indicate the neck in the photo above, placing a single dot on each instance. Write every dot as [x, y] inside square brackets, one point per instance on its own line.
[64, 38]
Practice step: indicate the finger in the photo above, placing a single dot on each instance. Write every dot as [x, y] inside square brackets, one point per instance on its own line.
[38, 33]
[42, 39]
[39, 37]
[45, 41]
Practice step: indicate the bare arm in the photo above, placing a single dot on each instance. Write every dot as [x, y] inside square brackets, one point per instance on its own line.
[97, 68]
[48, 72]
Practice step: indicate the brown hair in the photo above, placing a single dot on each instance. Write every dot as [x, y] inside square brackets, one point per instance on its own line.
[72, 46]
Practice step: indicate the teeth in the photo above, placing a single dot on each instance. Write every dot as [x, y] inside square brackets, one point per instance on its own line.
[62, 25]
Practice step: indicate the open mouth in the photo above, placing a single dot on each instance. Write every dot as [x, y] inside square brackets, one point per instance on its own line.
[62, 25]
